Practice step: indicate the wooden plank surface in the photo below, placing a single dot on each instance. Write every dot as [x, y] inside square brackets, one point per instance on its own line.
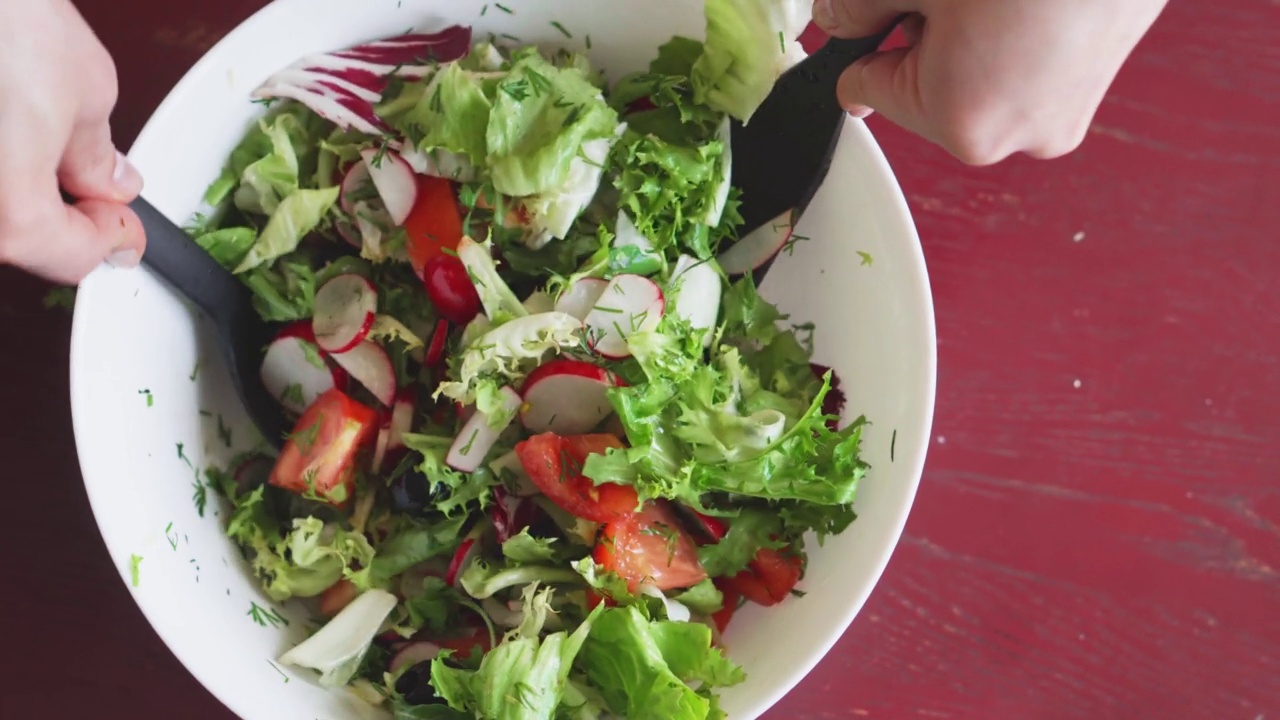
[1097, 535]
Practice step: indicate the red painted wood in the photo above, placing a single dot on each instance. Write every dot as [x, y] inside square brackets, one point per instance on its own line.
[1098, 531]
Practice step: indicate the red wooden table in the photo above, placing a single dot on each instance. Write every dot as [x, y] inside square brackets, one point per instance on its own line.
[1097, 534]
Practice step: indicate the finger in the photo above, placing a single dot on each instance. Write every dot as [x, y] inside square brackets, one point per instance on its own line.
[888, 83]
[859, 18]
[76, 239]
[93, 169]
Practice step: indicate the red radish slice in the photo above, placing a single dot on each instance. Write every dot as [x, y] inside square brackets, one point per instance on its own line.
[369, 364]
[439, 338]
[697, 290]
[630, 304]
[356, 185]
[412, 654]
[566, 397]
[345, 308]
[758, 247]
[581, 296]
[294, 372]
[343, 86]
[395, 182]
[477, 437]
[465, 555]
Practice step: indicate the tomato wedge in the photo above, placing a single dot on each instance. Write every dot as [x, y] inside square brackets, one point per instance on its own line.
[722, 616]
[769, 579]
[554, 464]
[434, 225]
[319, 458]
[649, 547]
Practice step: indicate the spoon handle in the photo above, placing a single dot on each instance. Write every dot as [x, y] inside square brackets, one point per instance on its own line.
[186, 267]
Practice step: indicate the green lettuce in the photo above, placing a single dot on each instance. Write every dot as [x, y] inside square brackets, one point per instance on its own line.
[297, 215]
[749, 44]
[642, 668]
[542, 116]
[228, 245]
[413, 540]
[305, 562]
[524, 677]
[303, 128]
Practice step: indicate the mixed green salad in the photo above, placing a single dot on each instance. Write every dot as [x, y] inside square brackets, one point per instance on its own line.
[546, 444]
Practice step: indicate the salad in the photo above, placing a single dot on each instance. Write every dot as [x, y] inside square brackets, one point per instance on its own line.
[546, 443]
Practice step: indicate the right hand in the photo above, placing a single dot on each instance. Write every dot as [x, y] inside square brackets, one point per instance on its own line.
[57, 89]
[988, 78]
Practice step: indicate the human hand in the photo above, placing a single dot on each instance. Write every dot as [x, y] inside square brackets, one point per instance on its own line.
[988, 78]
[57, 90]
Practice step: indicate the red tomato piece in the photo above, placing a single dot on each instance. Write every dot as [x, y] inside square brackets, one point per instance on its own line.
[649, 547]
[554, 464]
[320, 455]
[769, 579]
[747, 585]
[778, 571]
[434, 224]
[450, 288]
[722, 616]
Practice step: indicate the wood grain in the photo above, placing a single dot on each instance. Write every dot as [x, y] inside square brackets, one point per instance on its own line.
[1097, 535]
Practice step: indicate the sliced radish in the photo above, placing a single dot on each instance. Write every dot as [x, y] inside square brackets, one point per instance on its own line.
[581, 296]
[477, 437]
[462, 559]
[369, 364]
[412, 654]
[395, 182]
[758, 247]
[294, 372]
[439, 339]
[566, 397]
[697, 292]
[629, 304]
[345, 308]
[357, 186]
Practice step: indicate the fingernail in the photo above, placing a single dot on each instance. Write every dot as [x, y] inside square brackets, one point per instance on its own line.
[123, 259]
[124, 174]
[860, 112]
[824, 15]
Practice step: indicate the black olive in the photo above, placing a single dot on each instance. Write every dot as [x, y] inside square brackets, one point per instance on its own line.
[412, 493]
[415, 685]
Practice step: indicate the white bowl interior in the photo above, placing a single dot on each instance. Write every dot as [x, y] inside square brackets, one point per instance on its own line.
[133, 334]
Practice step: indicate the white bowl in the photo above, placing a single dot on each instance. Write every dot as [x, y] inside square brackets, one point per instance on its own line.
[132, 333]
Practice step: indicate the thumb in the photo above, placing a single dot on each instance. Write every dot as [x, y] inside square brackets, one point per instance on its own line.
[92, 168]
[888, 83]
[858, 18]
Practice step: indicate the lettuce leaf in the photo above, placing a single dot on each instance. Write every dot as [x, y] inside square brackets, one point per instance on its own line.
[524, 677]
[642, 668]
[542, 116]
[748, 422]
[296, 215]
[749, 44]
[310, 558]
[464, 491]
[413, 540]
[507, 353]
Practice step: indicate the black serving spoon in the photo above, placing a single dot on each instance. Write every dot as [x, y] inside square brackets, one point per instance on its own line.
[783, 152]
[242, 333]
